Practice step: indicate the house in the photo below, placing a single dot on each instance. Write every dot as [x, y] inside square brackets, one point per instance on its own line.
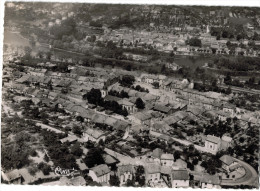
[210, 181]
[167, 160]
[226, 142]
[159, 127]
[52, 95]
[228, 162]
[163, 108]
[12, 177]
[152, 173]
[94, 135]
[125, 173]
[205, 180]
[212, 144]
[140, 118]
[70, 139]
[130, 107]
[121, 125]
[100, 173]
[109, 160]
[229, 108]
[74, 181]
[155, 156]
[180, 178]
[173, 66]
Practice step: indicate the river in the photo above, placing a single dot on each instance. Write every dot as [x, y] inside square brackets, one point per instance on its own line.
[16, 39]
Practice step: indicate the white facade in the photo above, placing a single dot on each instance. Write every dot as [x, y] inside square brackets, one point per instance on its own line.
[212, 147]
[155, 177]
[180, 183]
[209, 185]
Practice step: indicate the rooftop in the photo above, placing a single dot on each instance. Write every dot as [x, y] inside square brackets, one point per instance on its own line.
[101, 170]
[228, 160]
[213, 139]
[180, 175]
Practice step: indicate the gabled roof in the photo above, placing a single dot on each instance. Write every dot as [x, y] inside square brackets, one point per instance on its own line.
[125, 168]
[101, 170]
[121, 125]
[162, 108]
[213, 139]
[157, 153]
[161, 125]
[142, 116]
[226, 159]
[12, 175]
[110, 121]
[166, 170]
[109, 159]
[180, 175]
[153, 168]
[94, 133]
[99, 118]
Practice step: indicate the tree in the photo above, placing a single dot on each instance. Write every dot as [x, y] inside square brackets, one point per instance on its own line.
[139, 175]
[77, 130]
[228, 91]
[114, 180]
[163, 69]
[94, 157]
[139, 103]
[130, 183]
[176, 155]
[155, 85]
[93, 96]
[46, 158]
[194, 42]
[127, 80]
[46, 169]
[76, 150]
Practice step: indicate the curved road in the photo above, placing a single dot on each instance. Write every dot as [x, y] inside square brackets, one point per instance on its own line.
[250, 178]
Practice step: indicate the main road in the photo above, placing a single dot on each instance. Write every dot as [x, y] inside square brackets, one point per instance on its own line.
[250, 178]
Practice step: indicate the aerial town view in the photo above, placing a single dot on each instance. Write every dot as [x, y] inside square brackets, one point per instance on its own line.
[127, 95]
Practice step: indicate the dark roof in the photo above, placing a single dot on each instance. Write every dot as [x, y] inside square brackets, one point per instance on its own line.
[162, 108]
[180, 175]
[121, 125]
